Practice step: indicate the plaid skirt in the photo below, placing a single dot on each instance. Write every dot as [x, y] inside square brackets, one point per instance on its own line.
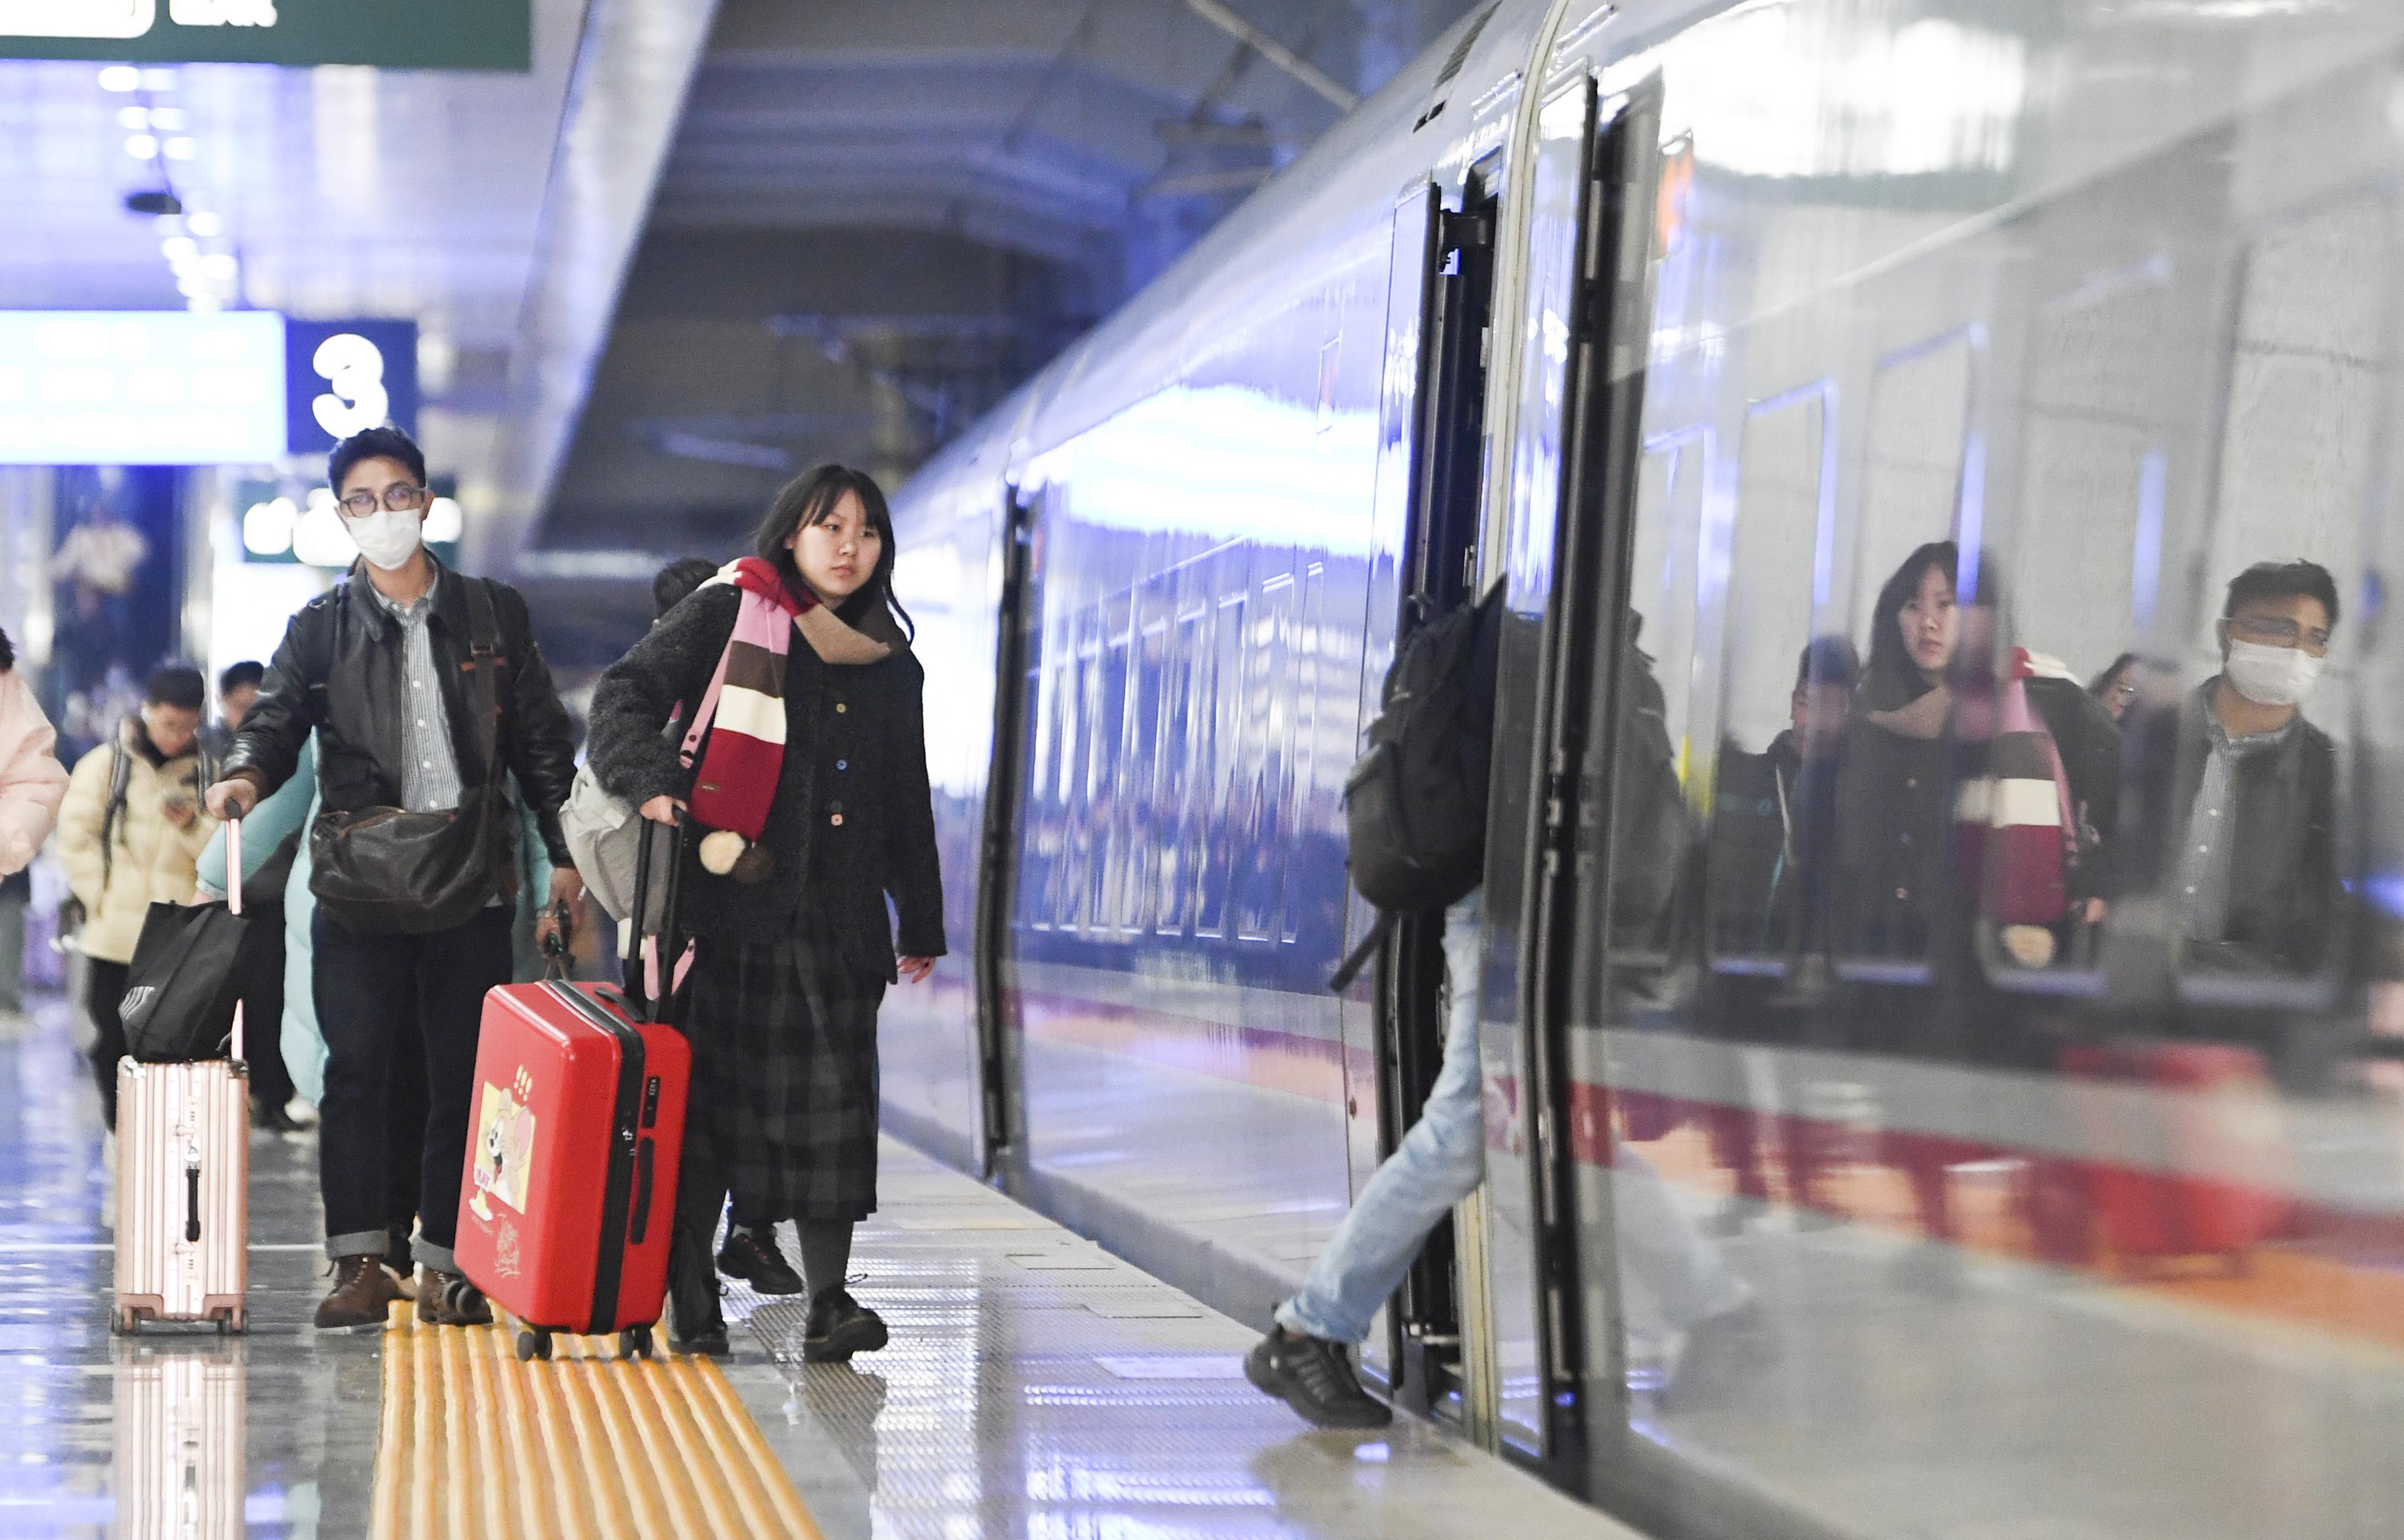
[784, 1072]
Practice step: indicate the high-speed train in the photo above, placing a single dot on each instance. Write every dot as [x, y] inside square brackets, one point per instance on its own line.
[1686, 324]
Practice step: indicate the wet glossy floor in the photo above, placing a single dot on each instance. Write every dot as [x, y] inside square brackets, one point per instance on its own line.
[1035, 1385]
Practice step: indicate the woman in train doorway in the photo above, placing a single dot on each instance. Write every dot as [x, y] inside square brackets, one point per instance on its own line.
[810, 803]
[1976, 778]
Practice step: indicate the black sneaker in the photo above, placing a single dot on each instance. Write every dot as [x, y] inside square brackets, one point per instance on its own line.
[840, 1326]
[271, 1117]
[1315, 1378]
[752, 1256]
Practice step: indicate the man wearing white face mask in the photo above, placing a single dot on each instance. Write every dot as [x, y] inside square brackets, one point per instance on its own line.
[426, 694]
[2255, 806]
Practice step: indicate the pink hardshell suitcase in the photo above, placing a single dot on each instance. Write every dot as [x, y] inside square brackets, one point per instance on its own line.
[183, 1178]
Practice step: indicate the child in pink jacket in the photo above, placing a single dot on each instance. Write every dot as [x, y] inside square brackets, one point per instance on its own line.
[31, 780]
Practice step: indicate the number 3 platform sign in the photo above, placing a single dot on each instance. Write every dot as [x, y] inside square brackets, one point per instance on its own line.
[342, 376]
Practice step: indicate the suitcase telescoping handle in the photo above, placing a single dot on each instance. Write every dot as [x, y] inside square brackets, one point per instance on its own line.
[664, 947]
[233, 906]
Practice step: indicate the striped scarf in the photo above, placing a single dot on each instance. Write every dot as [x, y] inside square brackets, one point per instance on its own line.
[2020, 837]
[743, 715]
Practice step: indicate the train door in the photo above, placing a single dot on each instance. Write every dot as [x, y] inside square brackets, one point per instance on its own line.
[998, 843]
[1438, 331]
[1581, 379]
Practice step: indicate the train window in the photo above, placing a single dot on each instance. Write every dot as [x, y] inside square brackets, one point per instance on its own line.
[1152, 816]
[2081, 557]
[1223, 813]
[2265, 751]
[1110, 786]
[1185, 754]
[1315, 817]
[1656, 679]
[1892, 803]
[1771, 718]
[1264, 785]
[1917, 459]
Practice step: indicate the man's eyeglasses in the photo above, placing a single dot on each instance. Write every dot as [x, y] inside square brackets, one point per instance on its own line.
[400, 498]
[2279, 631]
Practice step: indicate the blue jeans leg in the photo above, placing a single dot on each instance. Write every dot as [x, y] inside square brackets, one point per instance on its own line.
[1438, 1163]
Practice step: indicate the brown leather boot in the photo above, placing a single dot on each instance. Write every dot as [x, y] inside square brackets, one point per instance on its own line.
[362, 1292]
[448, 1299]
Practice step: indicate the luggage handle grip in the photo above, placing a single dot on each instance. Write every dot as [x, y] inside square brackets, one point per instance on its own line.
[192, 1197]
[640, 1222]
[234, 906]
[635, 968]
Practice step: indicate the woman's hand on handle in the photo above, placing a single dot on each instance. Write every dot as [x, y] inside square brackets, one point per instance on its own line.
[664, 809]
[915, 969]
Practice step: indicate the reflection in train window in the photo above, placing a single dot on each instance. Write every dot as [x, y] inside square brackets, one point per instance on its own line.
[1264, 785]
[1767, 714]
[2252, 827]
[1917, 467]
[2082, 557]
[1224, 711]
[1662, 569]
[1184, 757]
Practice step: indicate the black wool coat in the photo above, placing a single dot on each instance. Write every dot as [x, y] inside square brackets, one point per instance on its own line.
[853, 821]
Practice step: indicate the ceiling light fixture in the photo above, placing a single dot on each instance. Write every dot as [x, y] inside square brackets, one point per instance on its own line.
[203, 224]
[167, 119]
[221, 266]
[142, 147]
[157, 80]
[135, 118]
[121, 78]
[181, 148]
[177, 248]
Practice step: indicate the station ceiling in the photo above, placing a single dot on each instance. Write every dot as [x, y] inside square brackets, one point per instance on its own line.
[874, 222]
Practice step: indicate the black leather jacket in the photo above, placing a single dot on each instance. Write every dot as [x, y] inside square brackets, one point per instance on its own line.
[338, 673]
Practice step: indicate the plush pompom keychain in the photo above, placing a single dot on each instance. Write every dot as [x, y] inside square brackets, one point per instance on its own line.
[726, 853]
[721, 848]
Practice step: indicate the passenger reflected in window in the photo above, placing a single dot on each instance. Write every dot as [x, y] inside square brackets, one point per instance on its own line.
[1894, 789]
[2117, 687]
[1773, 812]
[2253, 811]
[1958, 737]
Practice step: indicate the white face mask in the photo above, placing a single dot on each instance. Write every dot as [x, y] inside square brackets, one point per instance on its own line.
[2272, 675]
[388, 538]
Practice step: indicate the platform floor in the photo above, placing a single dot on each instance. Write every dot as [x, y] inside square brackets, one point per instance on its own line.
[1035, 1386]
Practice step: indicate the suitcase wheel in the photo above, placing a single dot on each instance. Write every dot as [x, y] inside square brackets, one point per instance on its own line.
[127, 1324]
[636, 1342]
[533, 1343]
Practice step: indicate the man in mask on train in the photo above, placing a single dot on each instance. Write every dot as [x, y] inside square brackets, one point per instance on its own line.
[2253, 811]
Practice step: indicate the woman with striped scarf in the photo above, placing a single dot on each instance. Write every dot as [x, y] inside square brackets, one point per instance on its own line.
[802, 777]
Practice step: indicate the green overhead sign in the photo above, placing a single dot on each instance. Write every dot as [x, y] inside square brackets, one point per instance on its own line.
[395, 33]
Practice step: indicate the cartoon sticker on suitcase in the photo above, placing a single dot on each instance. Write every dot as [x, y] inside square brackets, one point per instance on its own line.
[504, 1146]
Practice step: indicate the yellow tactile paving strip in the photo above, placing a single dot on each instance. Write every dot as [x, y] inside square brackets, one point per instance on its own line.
[477, 1446]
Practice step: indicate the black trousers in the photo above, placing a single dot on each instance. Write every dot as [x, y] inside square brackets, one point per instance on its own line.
[103, 990]
[373, 994]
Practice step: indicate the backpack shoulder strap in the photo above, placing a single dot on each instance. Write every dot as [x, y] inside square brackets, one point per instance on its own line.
[484, 665]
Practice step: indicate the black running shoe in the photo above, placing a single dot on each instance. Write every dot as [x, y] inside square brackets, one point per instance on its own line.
[840, 1326]
[1315, 1378]
[752, 1256]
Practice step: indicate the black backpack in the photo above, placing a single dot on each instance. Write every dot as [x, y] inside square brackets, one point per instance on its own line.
[1415, 803]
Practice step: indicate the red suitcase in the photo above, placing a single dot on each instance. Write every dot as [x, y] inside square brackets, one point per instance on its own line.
[574, 1144]
[2222, 1135]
